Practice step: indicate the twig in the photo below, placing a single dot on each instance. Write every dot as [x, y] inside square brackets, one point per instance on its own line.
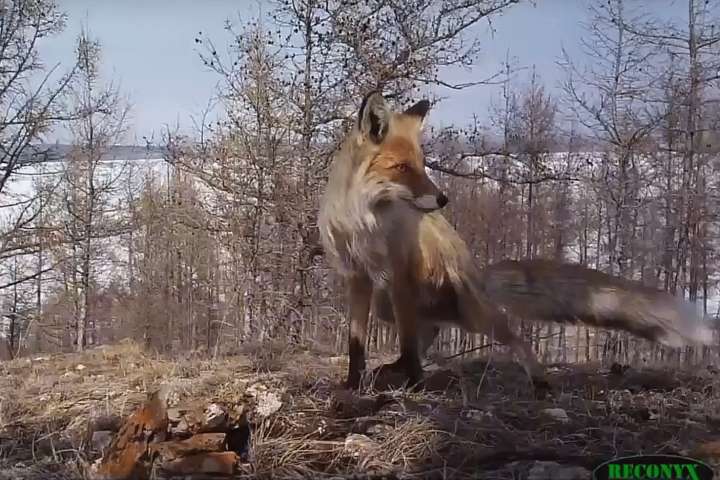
[481, 347]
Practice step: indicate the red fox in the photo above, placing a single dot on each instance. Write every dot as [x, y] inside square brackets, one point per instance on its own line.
[382, 230]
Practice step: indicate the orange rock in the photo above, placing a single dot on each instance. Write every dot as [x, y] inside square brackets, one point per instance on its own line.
[125, 458]
[200, 443]
[222, 463]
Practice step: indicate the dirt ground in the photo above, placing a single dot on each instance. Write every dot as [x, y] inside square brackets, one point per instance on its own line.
[482, 421]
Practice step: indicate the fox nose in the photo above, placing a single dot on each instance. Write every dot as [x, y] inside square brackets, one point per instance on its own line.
[442, 200]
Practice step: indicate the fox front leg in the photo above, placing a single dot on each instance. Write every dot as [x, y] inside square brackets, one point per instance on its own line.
[404, 308]
[359, 293]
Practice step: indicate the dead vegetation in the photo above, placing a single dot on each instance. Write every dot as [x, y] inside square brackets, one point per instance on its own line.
[486, 422]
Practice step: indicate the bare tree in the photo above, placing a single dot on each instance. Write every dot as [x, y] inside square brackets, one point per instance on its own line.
[610, 97]
[531, 134]
[689, 98]
[402, 45]
[290, 84]
[694, 63]
[88, 185]
[30, 104]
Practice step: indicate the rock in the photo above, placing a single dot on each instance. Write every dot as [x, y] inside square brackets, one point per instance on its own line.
[557, 414]
[266, 401]
[179, 426]
[80, 367]
[124, 458]
[267, 404]
[357, 445]
[556, 471]
[222, 463]
[120, 464]
[193, 421]
[101, 440]
[182, 429]
[216, 417]
[200, 443]
[175, 414]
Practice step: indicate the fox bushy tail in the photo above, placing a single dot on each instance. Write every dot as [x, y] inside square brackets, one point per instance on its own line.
[567, 293]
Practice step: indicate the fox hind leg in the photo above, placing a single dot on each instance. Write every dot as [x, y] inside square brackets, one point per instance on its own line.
[497, 326]
[522, 351]
[427, 336]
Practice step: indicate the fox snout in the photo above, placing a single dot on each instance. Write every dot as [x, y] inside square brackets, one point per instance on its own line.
[428, 196]
[431, 202]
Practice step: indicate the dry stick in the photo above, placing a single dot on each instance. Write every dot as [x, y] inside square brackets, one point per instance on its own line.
[487, 345]
[480, 347]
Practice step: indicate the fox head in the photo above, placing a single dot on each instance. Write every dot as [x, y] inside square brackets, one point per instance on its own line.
[390, 142]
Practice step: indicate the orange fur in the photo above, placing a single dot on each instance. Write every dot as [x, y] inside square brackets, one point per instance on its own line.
[401, 161]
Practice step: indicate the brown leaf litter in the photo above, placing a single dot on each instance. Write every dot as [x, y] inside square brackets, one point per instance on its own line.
[214, 418]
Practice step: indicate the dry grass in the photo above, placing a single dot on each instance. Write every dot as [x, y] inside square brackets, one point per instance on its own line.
[487, 423]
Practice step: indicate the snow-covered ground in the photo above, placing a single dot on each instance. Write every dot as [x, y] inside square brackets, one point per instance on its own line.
[21, 199]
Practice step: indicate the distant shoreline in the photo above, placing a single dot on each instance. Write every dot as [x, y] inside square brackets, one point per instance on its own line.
[54, 152]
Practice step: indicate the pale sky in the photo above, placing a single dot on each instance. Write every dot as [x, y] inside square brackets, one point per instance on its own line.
[148, 47]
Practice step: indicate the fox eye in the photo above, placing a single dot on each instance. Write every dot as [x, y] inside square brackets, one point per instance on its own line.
[401, 167]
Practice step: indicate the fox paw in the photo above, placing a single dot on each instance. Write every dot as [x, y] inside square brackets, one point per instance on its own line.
[392, 376]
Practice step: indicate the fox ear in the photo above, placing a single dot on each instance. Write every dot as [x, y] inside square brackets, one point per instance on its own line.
[420, 109]
[374, 117]
[419, 112]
